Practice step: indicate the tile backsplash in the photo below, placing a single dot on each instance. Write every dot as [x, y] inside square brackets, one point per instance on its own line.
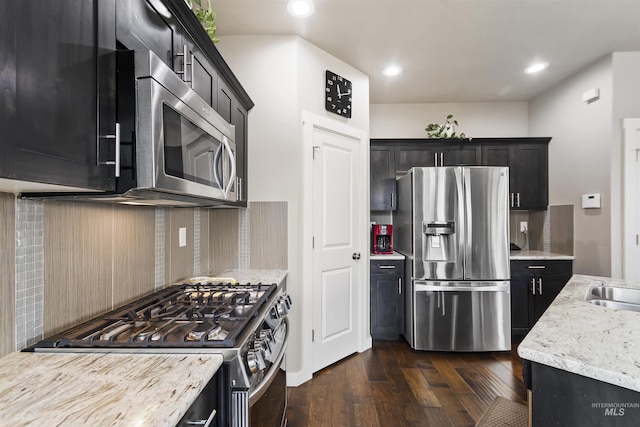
[29, 271]
[64, 262]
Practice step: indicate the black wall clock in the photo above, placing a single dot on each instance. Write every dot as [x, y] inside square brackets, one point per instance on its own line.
[338, 93]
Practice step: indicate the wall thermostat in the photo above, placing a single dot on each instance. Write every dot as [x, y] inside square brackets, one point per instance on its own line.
[591, 201]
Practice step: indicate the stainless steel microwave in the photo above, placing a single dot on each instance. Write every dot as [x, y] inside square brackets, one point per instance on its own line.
[173, 146]
[168, 146]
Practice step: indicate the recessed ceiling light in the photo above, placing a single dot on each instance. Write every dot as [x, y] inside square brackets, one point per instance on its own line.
[300, 8]
[392, 70]
[537, 67]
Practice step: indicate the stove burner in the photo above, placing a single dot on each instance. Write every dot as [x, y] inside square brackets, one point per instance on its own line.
[187, 315]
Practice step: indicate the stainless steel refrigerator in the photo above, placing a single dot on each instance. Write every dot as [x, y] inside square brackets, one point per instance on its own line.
[452, 224]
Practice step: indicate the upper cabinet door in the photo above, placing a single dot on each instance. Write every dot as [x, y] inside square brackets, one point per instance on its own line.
[382, 179]
[148, 24]
[417, 155]
[459, 154]
[527, 159]
[59, 57]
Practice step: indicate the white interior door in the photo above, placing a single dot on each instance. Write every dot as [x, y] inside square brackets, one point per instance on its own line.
[336, 255]
[631, 204]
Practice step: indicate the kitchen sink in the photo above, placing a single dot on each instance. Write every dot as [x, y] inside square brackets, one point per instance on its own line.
[615, 297]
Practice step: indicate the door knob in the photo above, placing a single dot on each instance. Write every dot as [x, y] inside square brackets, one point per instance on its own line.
[356, 255]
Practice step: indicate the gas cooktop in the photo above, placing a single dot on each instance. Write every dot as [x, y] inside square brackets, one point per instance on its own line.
[184, 315]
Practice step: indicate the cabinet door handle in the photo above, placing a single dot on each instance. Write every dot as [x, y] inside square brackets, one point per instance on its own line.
[185, 64]
[116, 161]
[399, 285]
[511, 199]
[537, 266]
[387, 267]
[441, 159]
[435, 159]
[391, 199]
[518, 199]
[533, 286]
[540, 286]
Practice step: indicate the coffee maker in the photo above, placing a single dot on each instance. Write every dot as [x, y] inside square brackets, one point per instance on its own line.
[381, 239]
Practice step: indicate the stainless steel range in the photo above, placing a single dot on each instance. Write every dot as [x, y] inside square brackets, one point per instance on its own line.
[246, 323]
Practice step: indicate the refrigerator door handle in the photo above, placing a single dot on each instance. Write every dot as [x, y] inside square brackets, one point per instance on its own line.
[501, 287]
[468, 254]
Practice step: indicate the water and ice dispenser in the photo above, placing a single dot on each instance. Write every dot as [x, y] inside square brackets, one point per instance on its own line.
[439, 241]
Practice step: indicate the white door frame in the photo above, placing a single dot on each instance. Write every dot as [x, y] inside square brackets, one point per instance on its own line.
[630, 198]
[311, 121]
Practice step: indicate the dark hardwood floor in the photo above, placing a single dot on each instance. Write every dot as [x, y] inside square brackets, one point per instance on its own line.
[393, 385]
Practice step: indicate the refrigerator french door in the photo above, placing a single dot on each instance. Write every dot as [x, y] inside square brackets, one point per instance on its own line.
[452, 225]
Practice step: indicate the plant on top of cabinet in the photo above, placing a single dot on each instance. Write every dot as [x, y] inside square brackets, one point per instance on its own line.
[206, 16]
[445, 130]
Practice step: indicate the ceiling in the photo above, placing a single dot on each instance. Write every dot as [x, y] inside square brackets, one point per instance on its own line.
[450, 50]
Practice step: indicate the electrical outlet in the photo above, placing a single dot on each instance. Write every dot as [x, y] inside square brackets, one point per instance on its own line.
[182, 237]
[524, 227]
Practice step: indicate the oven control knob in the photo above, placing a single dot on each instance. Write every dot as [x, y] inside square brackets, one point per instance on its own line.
[266, 335]
[264, 346]
[287, 300]
[255, 361]
[282, 308]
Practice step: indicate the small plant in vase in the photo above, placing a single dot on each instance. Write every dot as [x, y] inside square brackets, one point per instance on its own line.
[444, 130]
[206, 16]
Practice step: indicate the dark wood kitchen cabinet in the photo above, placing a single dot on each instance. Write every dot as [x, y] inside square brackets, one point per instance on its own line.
[527, 159]
[534, 286]
[171, 30]
[382, 179]
[387, 299]
[435, 152]
[391, 157]
[56, 82]
[148, 24]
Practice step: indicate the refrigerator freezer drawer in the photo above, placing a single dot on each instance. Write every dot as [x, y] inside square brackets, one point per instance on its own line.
[462, 318]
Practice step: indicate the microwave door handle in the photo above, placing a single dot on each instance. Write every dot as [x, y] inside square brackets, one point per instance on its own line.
[232, 160]
[216, 160]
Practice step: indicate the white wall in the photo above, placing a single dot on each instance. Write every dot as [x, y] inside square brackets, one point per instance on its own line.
[585, 155]
[580, 158]
[284, 75]
[476, 119]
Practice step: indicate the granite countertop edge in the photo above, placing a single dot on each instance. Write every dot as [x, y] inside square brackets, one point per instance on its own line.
[395, 256]
[585, 339]
[116, 389]
[538, 255]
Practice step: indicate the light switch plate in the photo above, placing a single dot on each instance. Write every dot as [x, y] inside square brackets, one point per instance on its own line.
[182, 237]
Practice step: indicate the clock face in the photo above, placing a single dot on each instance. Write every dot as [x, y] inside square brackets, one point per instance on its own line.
[338, 93]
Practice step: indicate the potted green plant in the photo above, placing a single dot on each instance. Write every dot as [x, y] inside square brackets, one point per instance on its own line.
[206, 16]
[444, 130]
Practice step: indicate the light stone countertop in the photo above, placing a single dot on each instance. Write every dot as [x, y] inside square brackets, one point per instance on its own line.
[395, 256]
[95, 389]
[586, 339]
[538, 255]
[255, 276]
[114, 389]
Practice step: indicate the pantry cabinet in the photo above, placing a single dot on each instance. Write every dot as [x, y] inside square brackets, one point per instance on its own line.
[534, 286]
[387, 299]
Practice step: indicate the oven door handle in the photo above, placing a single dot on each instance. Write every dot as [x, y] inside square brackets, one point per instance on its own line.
[273, 370]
